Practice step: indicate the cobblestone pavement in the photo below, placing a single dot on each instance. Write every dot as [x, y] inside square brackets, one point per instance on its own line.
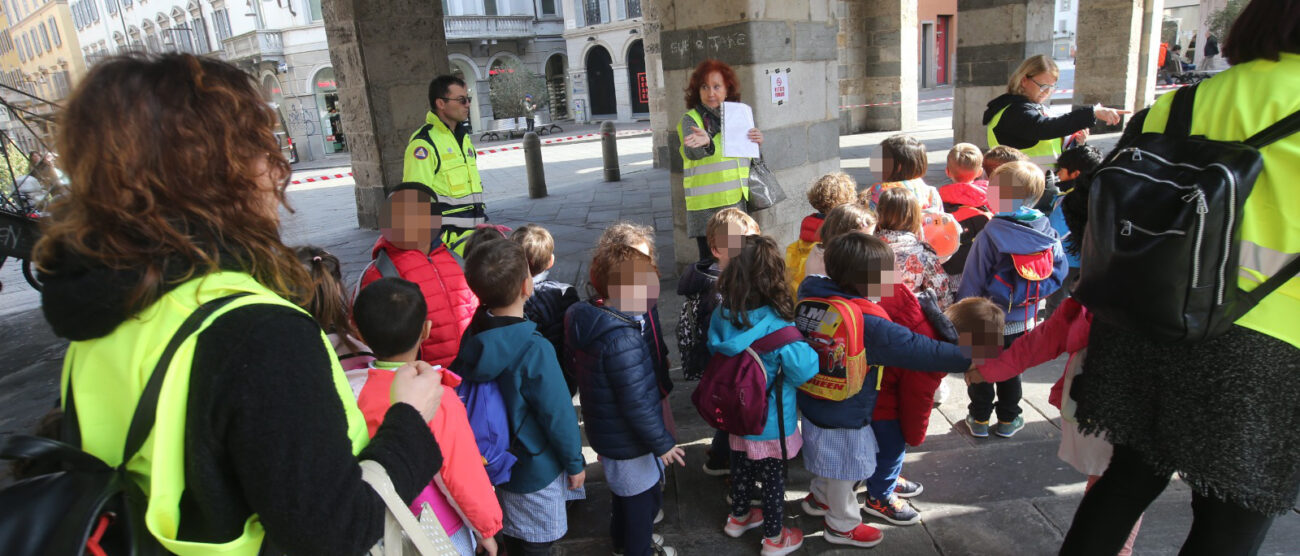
[991, 496]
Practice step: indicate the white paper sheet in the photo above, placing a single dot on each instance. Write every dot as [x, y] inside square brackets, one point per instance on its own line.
[737, 120]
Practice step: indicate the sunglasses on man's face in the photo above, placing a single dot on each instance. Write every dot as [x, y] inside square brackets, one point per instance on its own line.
[462, 100]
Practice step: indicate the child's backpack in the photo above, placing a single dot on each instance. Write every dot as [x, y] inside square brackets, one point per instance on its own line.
[796, 261]
[732, 394]
[692, 340]
[833, 327]
[1162, 245]
[486, 410]
[1022, 280]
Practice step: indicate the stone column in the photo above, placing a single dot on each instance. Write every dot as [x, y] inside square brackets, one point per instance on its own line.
[995, 37]
[1149, 54]
[483, 102]
[654, 69]
[384, 55]
[1106, 67]
[579, 98]
[877, 64]
[758, 37]
[622, 93]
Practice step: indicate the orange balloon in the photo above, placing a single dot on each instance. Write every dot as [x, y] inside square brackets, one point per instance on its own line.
[942, 232]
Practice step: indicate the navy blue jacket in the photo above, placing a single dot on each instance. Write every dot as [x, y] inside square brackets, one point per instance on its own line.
[654, 337]
[621, 411]
[885, 343]
[546, 308]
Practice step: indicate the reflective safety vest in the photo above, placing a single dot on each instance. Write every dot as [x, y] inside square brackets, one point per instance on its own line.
[715, 180]
[1043, 153]
[111, 372]
[1236, 104]
[450, 170]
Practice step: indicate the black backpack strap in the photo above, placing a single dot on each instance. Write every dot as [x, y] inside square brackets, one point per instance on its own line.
[1273, 282]
[146, 410]
[1279, 130]
[1180, 114]
[385, 265]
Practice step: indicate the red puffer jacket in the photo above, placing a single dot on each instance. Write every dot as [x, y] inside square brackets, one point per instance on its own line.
[451, 303]
[907, 395]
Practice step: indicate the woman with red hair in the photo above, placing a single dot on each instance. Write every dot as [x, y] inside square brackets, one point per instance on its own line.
[712, 181]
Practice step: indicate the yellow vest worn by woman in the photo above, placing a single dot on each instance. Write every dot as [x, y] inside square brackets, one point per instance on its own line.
[715, 180]
[111, 372]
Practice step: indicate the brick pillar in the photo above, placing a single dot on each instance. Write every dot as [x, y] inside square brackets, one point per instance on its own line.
[877, 64]
[994, 38]
[1106, 67]
[758, 37]
[384, 54]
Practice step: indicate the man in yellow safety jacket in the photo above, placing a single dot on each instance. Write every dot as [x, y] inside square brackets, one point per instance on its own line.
[441, 156]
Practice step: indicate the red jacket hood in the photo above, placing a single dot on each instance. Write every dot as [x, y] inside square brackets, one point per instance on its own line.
[907, 396]
[808, 228]
[973, 194]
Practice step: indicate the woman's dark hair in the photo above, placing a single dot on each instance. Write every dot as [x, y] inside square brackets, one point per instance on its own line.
[856, 259]
[702, 72]
[326, 301]
[175, 173]
[904, 158]
[1074, 208]
[390, 315]
[1264, 30]
[753, 279]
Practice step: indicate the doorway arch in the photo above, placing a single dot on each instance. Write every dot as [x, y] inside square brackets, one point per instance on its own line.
[638, 88]
[600, 82]
[556, 73]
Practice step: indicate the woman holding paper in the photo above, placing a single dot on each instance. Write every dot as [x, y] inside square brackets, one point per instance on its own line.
[712, 180]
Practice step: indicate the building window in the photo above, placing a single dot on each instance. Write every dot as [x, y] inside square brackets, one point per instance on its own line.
[45, 36]
[111, 5]
[201, 33]
[591, 11]
[489, 7]
[221, 23]
[61, 84]
[314, 10]
[633, 8]
[36, 42]
[548, 7]
[54, 30]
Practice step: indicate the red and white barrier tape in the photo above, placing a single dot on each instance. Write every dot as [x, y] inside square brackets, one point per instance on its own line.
[326, 177]
[623, 133]
[1060, 91]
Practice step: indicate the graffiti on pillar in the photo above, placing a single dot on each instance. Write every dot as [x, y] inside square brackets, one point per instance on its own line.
[299, 119]
[711, 44]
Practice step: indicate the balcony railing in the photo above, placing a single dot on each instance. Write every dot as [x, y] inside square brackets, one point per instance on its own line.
[462, 27]
[254, 46]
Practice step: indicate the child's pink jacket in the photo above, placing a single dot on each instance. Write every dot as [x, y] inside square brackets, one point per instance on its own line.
[1066, 331]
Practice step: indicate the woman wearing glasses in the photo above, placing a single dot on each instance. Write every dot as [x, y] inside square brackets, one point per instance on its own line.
[1020, 118]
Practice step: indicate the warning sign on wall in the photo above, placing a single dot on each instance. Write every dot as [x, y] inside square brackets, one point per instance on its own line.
[780, 88]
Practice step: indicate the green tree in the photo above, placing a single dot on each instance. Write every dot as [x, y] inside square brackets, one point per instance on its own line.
[18, 161]
[1220, 21]
[510, 81]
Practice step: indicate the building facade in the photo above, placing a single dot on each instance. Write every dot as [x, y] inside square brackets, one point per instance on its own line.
[607, 76]
[937, 20]
[49, 61]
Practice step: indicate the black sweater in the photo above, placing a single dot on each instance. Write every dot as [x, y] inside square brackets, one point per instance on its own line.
[265, 432]
[1025, 123]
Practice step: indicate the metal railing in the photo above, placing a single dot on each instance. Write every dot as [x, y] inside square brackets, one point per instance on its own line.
[487, 26]
[253, 44]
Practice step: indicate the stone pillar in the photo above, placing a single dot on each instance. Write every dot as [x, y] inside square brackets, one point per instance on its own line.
[1149, 54]
[622, 93]
[1106, 70]
[654, 69]
[994, 38]
[877, 64]
[384, 54]
[579, 98]
[758, 37]
[483, 102]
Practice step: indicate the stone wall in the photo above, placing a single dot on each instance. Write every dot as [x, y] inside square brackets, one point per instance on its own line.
[877, 49]
[995, 37]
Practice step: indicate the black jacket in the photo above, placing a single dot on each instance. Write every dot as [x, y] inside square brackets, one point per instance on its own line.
[1026, 123]
[264, 429]
[621, 410]
[546, 308]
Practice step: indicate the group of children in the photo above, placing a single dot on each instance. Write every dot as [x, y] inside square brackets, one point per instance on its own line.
[515, 346]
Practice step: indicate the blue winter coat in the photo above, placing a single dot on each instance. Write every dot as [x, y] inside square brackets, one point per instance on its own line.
[546, 308]
[524, 366]
[990, 255]
[885, 343]
[616, 378]
[797, 361]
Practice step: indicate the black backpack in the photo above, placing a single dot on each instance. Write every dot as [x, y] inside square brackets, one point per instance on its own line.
[83, 505]
[1160, 252]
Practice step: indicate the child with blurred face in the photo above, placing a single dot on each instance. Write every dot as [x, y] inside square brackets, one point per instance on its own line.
[726, 230]
[408, 220]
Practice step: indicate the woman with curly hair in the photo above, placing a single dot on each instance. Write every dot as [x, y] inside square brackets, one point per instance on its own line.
[712, 181]
[176, 186]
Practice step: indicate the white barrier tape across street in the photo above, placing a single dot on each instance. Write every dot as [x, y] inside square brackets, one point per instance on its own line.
[1060, 91]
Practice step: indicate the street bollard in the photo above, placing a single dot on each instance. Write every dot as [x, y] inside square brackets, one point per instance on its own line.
[533, 165]
[609, 147]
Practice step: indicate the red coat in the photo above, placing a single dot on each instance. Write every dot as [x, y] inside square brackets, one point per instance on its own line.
[451, 303]
[905, 395]
[1066, 331]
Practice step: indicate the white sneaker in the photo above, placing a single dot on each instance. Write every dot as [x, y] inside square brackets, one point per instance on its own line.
[656, 544]
[942, 393]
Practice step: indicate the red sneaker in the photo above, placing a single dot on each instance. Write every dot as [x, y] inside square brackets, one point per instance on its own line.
[790, 540]
[736, 526]
[812, 506]
[863, 535]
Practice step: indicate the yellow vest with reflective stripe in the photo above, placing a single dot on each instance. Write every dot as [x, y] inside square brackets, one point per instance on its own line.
[1042, 153]
[111, 372]
[1232, 106]
[450, 171]
[713, 181]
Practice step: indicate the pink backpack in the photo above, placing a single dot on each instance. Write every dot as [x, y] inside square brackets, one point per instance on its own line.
[732, 394]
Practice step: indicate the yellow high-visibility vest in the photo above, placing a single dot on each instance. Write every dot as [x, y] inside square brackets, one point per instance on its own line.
[1042, 153]
[715, 180]
[450, 171]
